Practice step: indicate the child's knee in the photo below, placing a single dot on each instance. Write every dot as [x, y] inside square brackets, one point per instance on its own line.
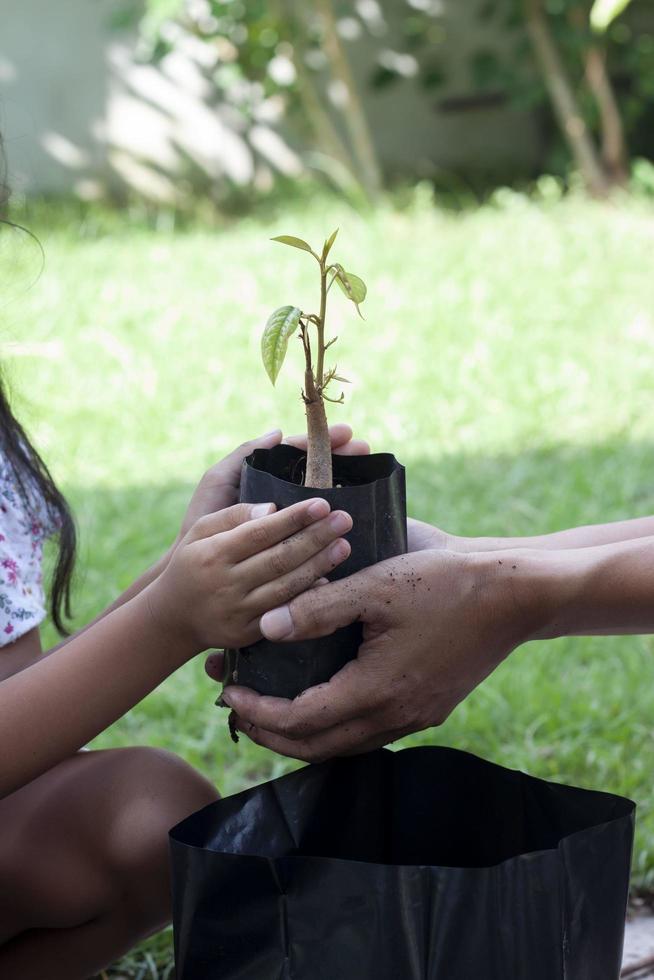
[156, 790]
[159, 789]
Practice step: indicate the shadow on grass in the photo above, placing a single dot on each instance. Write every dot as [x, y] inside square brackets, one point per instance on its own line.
[535, 491]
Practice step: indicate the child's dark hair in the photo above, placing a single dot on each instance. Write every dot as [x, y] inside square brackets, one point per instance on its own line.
[32, 475]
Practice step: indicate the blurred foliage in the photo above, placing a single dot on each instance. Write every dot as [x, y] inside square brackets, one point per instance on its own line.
[246, 37]
[247, 58]
[604, 12]
[271, 54]
[262, 58]
[642, 178]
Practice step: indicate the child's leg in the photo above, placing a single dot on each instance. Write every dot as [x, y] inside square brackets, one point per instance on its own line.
[84, 867]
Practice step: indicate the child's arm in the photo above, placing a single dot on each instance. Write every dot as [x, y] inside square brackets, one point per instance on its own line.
[227, 571]
[27, 649]
[218, 488]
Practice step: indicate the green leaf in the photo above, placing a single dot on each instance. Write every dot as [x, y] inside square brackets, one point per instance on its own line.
[604, 12]
[281, 326]
[295, 242]
[353, 287]
[328, 244]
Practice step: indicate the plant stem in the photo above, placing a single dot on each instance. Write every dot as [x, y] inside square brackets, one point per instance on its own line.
[319, 452]
[321, 327]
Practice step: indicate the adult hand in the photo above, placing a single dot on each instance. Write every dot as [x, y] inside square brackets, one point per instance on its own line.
[342, 440]
[435, 624]
[421, 537]
[220, 485]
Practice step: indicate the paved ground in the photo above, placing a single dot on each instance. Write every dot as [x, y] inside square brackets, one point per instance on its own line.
[639, 944]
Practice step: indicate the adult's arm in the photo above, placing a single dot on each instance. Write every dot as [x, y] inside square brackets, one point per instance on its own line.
[423, 535]
[436, 624]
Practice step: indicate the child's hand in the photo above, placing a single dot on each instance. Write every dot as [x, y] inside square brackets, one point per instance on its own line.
[219, 487]
[235, 565]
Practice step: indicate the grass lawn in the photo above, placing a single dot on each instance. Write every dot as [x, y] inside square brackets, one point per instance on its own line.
[507, 357]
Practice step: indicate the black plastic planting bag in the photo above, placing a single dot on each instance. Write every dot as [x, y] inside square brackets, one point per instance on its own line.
[424, 864]
[372, 490]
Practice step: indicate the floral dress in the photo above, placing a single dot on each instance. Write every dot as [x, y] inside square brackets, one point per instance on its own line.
[24, 526]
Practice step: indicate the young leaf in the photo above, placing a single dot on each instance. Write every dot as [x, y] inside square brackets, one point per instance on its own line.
[353, 287]
[295, 242]
[281, 326]
[328, 244]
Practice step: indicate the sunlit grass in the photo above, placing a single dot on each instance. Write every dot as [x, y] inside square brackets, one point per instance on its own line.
[507, 357]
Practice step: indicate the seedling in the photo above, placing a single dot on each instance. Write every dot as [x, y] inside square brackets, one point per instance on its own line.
[310, 327]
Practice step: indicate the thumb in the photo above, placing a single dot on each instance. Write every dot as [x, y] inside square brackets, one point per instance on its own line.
[228, 519]
[214, 665]
[229, 468]
[318, 612]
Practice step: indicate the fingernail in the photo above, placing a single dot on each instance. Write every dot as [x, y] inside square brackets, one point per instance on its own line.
[319, 508]
[273, 432]
[340, 521]
[224, 701]
[262, 510]
[339, 550]
[277, 624]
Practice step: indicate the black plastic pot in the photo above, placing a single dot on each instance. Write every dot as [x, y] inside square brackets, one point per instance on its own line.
[372, 490]
[425, 864]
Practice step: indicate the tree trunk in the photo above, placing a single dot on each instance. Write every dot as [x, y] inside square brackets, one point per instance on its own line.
[564, 102]
[615, 154]
[319, 450]
[324, 130]
[355, 118]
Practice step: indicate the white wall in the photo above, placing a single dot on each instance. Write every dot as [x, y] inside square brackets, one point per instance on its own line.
[53, 89]
[411, 129]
